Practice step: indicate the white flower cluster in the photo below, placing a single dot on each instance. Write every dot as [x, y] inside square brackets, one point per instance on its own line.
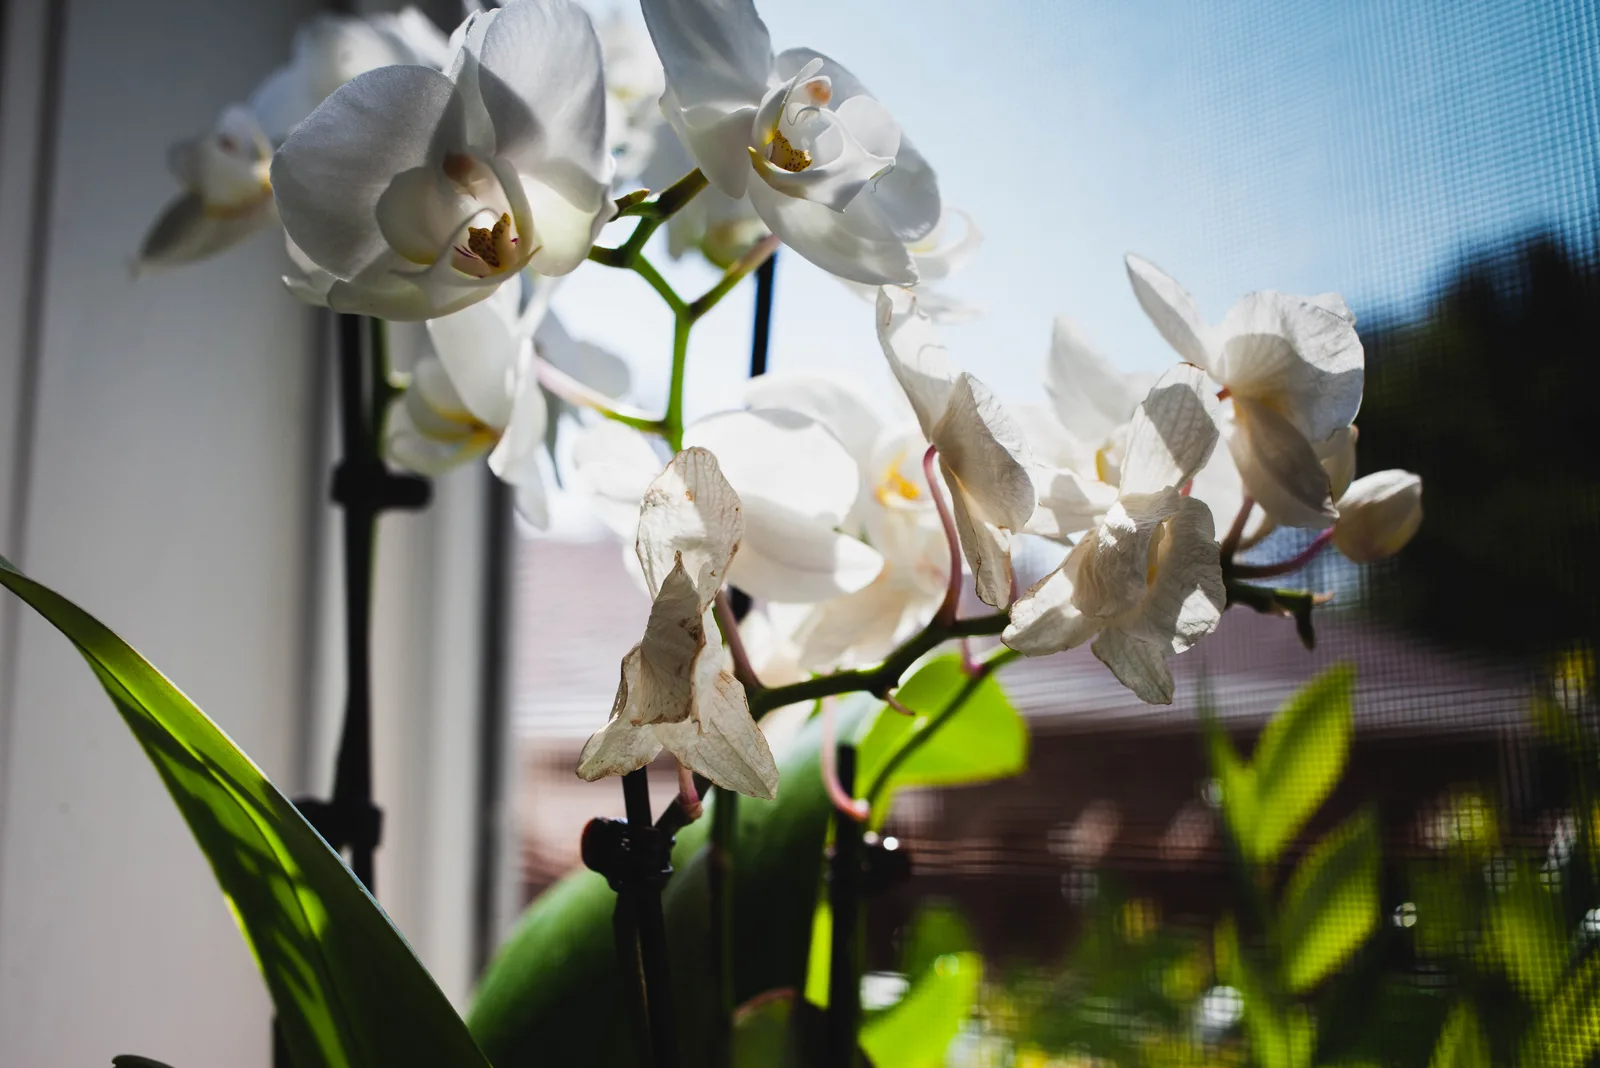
[450, 184]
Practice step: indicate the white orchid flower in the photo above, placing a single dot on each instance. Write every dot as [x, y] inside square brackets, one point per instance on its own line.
[721, 228]
[417, 193]
[634, 83]
[1080, 440]
[894, 513]
[823, 163]
[676, 692]
[478, 393]
[1378, 515]
[1147, 581]
[227, 193]
[1291, 368]
[981, 451]
[797, 482]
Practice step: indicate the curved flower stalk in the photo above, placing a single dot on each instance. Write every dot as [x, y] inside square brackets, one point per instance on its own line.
[893, 512]
[981, 450]
[227, 194]
[676, 692]
[413, 194]
[797, 484]
[1148, 579]
[1291, 369]
[823, 163]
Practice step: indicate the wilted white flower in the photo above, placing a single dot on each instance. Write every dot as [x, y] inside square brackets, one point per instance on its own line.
[1146, 581]
[414, 193]
[676, 692]
[1291, 369]
[823, 163]
[981, 451]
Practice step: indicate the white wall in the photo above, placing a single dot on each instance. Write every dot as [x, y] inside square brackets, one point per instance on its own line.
[175, 488]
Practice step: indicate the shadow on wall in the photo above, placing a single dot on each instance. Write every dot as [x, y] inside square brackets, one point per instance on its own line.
[1493, 397]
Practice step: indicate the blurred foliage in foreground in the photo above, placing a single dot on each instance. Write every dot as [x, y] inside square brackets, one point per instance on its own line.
[1491, 398]
[1475, 942]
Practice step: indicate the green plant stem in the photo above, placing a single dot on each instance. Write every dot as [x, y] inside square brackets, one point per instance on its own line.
[879, 680]
[923, 730]
[672, 422]
[735, 274]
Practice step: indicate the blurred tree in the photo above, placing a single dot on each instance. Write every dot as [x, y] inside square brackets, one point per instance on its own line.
[1492, 398]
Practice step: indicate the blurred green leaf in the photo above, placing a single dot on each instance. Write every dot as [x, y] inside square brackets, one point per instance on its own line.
[987, 739]
[1330, 906]
[1297, 761]
[916, 1030]
[1461, 1043]
[1526, 934]
[1567, 1031]
[820, 958]
[761, 1036]
[553, 996]
[936, 930]
[1281, 1035]
[347, 988]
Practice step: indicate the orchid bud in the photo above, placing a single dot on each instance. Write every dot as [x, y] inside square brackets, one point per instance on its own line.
[1378, 514]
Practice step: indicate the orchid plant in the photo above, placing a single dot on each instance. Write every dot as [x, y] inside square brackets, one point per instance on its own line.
[455, 180]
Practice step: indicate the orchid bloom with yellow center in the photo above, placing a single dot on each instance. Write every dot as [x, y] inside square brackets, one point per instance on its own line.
[822, 162]
[410, 194]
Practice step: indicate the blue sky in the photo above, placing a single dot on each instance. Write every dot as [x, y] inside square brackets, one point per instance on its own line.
[1358, 146]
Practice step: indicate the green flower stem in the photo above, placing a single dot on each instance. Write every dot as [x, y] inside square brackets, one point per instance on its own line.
[923, 731]
[735, 274]
[881, 679]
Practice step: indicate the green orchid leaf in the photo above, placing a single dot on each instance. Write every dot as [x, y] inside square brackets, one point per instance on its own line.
[553, 994]
[1331, 904]
[348, 990]
[1461, 1042]
[985, 739]
[1297, 762]
[916, 1031]
[1527, 935]
[1567, 1031]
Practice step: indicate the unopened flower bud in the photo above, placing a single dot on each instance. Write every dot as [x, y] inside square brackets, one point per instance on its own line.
[1378, 514]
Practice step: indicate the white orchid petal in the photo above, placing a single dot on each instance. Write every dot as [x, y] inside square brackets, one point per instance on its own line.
[1186, 596]
[861, 627]
[1140, 667]
[616, 464]
[1171, 309]
[916, 355]
[840, 408]
[516, 458]
[983, 448]
[1279, 468]
[719, 141]
[713, 51]
[1091, 397]
[1296, 355]
[848, 243]
[690, 514]
[936, 260]
[724, 745]
[1338, 456]
[335, 166]
[1114, 571]
[478, 346]
[1068, 503]
[1173, 433]
[543, 86]
[986, 546]
[790, 558]
[620, 746]
[1044, 620]
[784, 458]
